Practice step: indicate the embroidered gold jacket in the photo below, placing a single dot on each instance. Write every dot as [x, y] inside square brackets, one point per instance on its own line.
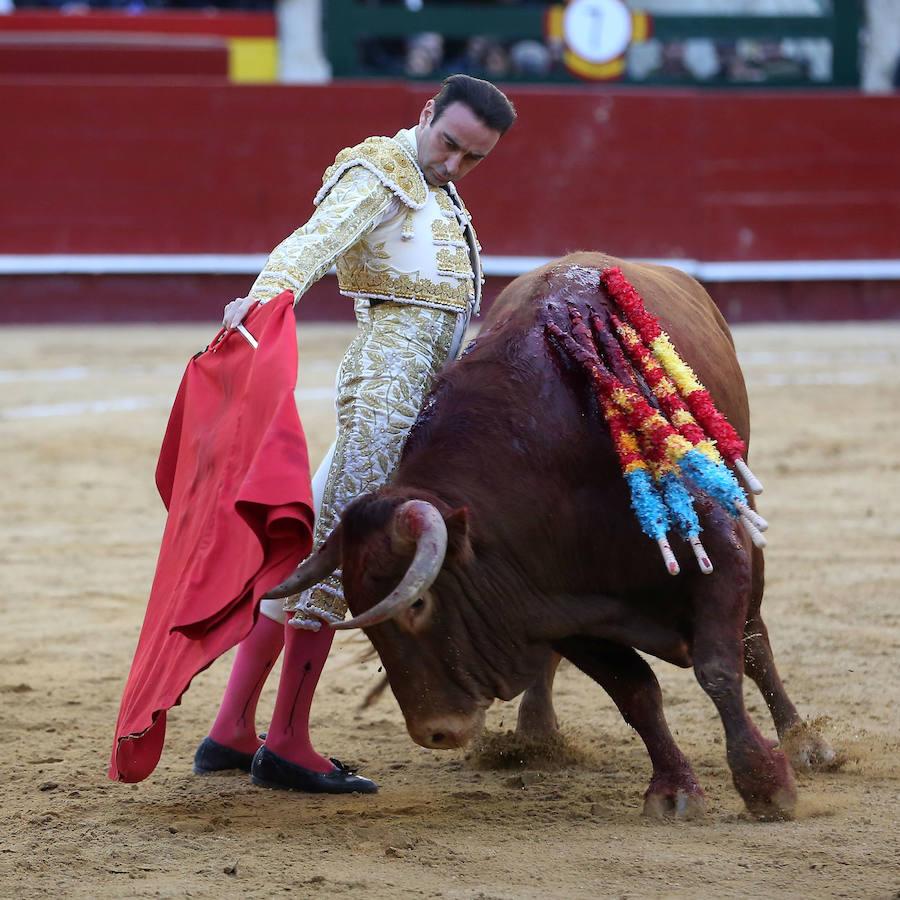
[391, 235]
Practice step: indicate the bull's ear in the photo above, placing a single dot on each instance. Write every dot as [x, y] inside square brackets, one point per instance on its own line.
[459, 547]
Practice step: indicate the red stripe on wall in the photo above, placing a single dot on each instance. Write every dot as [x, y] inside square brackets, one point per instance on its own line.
[192, 168]
[194, 57]
[222, 23]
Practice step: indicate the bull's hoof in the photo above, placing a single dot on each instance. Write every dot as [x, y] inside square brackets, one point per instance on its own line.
[778, 807]
[681, 801]
[768, 789]
[536, 722]
[681, 806]
[534, 731]
[808, 750]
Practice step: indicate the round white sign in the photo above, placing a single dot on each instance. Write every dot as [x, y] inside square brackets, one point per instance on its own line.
[597, 30]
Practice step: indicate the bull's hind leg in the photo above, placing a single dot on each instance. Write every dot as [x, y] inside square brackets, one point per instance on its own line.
[805, 746]
[627, 678]
[761, 774]
[537, 719]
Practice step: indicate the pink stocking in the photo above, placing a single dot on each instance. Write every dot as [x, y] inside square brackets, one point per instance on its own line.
[304, 658]
[235, 724]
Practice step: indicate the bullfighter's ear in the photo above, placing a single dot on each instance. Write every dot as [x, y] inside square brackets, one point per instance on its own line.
[459, 547]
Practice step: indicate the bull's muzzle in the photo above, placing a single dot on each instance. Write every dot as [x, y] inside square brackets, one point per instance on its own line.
[447, 732]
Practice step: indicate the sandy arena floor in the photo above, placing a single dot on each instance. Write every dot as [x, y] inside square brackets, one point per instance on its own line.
[82, 413]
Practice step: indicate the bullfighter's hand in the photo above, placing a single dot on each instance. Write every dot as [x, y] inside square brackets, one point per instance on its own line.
[236, 310]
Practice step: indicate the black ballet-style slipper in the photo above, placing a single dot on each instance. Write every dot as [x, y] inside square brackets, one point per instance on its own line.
[271, 771]
[211, 756]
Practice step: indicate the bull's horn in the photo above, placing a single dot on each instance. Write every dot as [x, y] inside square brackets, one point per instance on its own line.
[421, 523]
[313, 570]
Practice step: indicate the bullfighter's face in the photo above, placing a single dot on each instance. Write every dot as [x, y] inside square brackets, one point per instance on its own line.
[450, 146]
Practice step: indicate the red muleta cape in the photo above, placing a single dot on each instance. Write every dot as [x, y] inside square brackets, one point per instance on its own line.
[233, 473]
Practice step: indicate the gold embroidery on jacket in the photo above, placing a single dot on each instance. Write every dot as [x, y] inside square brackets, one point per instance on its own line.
[408, 232]
[389, 160]
[352, 199]
[446, 232]
[383, 379]
[343, 217]
[444, 202]
[392, 286]
[472, 242]
[454, 262]
[368, 269]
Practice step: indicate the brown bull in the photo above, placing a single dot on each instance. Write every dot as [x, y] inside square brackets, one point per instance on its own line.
[506, 534]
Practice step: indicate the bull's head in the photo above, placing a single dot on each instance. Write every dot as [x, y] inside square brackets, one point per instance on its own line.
[403, 563]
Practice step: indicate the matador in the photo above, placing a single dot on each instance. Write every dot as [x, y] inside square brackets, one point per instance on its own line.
[389, 217]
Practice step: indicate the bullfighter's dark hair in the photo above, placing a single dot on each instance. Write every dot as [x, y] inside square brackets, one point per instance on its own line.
[486, 101]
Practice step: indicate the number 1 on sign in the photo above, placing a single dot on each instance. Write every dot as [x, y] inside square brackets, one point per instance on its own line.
[598, 31]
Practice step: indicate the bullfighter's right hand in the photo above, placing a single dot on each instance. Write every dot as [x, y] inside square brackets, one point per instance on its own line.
[236, 310]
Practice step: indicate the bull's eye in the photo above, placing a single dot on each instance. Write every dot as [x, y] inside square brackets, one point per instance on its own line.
[417, 614]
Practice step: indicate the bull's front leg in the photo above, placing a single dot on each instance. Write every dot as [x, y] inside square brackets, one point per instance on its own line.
[761, 774]
[630, 682]
[537, 719]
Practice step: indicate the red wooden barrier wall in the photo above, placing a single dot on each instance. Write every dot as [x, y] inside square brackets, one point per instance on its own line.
[125, 168]
[191, 58]
[114, 167]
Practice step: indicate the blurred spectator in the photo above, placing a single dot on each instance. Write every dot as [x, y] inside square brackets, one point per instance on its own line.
[757, 61]
[643, 59]
[495, 63]
[745, 62]
[472, 60]
[530, 59]
[816, 54]
[729, 7]
[881, 57]
[424, 54]
[672, 65]
[701, 59]
[741, 62]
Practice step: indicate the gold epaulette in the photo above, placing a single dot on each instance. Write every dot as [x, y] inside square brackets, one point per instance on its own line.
[389, 161]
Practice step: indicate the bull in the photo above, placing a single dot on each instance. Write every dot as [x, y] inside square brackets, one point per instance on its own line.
[505, 537]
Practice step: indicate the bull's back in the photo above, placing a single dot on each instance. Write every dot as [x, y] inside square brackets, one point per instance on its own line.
[512, 432]
[684, 309]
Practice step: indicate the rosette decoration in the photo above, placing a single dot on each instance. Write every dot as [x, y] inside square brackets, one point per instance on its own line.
[682, 435]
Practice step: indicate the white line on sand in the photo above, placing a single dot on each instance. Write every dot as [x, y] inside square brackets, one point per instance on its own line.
[816, 379]
[80, 373]
[80, 407]
[126, 404]
[782, 358]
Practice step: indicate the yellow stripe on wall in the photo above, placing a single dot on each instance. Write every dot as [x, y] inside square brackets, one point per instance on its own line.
[586, 69]
[253, 60]
[554, 22]
[640, 27]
